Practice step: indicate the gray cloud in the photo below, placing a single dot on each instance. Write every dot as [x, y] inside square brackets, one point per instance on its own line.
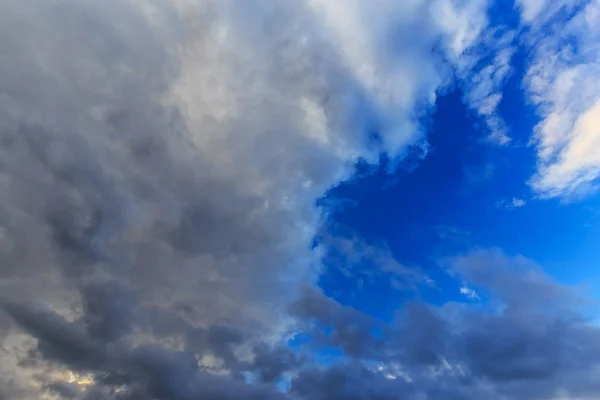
[351, 331]
[516, 282]
[531, 341]
[150, 371]
[347, 382]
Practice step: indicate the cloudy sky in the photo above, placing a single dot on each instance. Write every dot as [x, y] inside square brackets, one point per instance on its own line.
[299, 199]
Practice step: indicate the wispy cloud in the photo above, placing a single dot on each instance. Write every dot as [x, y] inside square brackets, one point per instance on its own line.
[354, 257]
[483, 85]
[562, 82]
[469, 293]
[511, 204]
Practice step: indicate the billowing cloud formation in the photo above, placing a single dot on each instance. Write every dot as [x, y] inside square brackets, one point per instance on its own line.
[562, 82]
[159, 166]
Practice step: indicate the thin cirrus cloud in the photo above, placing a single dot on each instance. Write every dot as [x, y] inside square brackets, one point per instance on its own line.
[160, 162]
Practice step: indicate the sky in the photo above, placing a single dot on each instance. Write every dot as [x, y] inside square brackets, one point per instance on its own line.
[299, 200]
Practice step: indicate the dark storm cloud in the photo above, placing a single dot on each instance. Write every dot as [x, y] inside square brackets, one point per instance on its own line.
[108, 309]
[270, 362]
[58, 340]
[151, 371]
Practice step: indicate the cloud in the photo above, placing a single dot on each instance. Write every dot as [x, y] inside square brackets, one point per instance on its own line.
[351, 331]
[562, 83]
[530, 9]
[345, 383]
[531, 342]
[537, 13]
[469, 293]
[354, 257]
[481, 56]
[512, 204]
[160, 166]
[518, 202]
[516, 281]
[145, 370]
[483, 84]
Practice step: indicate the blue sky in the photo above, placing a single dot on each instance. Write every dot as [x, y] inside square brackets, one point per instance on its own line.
[299, 199]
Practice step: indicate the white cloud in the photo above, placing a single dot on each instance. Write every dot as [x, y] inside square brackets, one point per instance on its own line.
[518, 202]
[485, 67]
[483, 89]
[536, 13]
[464, 21]
[563, 81]
[469, 293]
[514, 203]
[531, 8]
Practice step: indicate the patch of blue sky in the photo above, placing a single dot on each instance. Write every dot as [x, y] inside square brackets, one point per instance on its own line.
[464, 193]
